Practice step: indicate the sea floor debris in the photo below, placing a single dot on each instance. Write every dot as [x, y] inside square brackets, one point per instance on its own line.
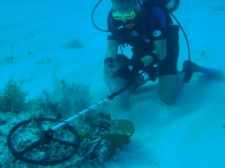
[100, 140]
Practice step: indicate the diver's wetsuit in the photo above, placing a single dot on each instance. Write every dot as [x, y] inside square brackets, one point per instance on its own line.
[140, 33]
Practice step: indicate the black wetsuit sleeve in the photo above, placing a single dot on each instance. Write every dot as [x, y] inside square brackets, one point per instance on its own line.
[157, 21]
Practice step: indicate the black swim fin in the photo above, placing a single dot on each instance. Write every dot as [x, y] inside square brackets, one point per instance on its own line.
[189, 68]
[209, 71]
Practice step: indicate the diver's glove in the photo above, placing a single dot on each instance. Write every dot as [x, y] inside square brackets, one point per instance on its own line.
[108, 61]
[135, 65]
[108, 66]
[129, 70]
[123, 72]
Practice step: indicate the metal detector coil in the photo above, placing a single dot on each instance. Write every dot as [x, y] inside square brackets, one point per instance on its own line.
[47, 141]
[30, 142]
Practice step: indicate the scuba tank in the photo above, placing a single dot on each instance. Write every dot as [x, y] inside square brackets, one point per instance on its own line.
[169, 5]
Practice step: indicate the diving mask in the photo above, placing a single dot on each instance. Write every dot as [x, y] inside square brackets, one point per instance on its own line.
[124, 16]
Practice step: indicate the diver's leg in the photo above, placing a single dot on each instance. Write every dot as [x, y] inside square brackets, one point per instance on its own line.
[179, 83]
[167, 88]
[170, 80]
[170, 86]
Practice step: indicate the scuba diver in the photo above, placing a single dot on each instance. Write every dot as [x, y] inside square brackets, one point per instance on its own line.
[153, 38]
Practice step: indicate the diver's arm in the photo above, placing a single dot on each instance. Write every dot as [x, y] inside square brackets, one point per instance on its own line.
[159, 33]
[147, 60]
[110, 55]
[112, 48]
[160, 52]
[161, 48]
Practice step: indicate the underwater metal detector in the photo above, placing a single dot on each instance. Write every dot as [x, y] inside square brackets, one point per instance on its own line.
[47, 141]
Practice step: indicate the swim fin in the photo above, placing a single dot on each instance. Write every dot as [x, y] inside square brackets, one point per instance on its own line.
[189, 68]
[209, 71]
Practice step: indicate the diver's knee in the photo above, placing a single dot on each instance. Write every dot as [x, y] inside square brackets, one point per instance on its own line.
[167, 99]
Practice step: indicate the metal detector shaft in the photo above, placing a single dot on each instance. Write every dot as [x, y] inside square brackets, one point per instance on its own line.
[92, 107]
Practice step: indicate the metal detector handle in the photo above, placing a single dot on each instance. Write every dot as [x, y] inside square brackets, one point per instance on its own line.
[92, 107]
[111, 97]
